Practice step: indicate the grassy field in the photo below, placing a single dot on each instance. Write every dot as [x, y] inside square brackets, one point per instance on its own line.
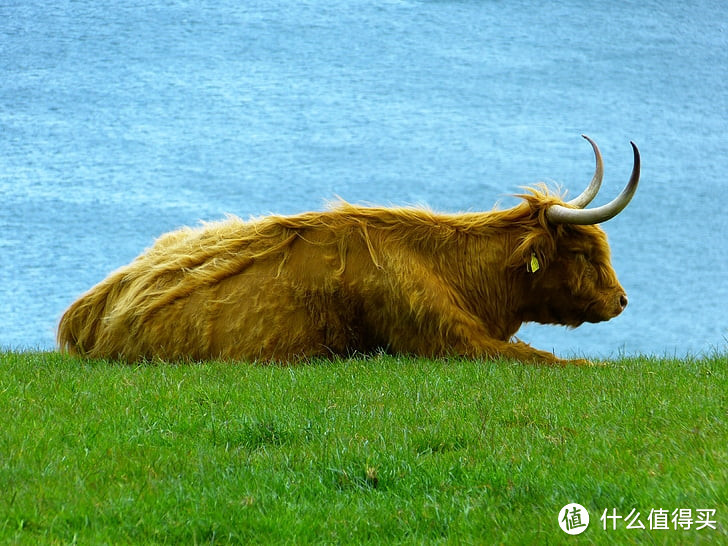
[379, 450]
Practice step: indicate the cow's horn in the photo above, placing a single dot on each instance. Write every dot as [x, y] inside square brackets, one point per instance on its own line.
[559, 214]
[591, 191]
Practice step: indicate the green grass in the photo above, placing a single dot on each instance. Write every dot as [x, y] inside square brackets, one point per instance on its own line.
[377, 450]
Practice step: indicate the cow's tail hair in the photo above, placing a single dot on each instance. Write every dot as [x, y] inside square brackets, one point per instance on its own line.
[80, 325]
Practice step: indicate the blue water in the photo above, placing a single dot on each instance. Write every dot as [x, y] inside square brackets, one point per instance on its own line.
[122, 120]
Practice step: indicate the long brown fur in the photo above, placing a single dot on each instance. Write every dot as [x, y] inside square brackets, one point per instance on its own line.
[351, 279]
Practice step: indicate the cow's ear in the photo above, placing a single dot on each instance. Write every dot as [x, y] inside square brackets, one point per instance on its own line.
[533, 252]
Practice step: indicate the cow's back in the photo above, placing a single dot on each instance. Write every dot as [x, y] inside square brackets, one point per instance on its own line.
[232, 290]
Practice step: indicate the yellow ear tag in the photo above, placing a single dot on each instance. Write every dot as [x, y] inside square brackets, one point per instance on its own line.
[533, 265]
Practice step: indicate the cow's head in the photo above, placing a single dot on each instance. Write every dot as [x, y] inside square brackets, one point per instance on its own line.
[565, 257]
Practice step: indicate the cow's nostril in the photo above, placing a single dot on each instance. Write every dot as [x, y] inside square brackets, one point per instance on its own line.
[623, 301]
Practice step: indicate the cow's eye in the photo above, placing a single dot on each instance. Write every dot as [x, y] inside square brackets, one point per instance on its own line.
[590, 271]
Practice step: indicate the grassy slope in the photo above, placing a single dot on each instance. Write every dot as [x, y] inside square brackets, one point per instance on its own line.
[384, 449]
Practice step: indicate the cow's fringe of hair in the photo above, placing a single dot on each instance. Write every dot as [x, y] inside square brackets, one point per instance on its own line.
[182, 261]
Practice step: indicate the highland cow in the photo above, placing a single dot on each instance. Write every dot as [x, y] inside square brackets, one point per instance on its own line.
[357, 280]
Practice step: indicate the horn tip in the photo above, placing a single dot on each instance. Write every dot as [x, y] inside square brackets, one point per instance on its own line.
[589, 140]
[636, 151]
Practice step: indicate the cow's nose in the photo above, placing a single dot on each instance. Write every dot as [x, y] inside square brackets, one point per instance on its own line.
[623, 301]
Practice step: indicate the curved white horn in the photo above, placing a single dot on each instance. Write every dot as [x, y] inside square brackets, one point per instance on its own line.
[559, 214]
[591, 191]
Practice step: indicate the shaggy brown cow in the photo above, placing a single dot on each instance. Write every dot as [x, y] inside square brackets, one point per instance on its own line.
[358, 279]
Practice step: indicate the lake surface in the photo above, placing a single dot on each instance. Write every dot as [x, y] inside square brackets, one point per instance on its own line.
[120, 121]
